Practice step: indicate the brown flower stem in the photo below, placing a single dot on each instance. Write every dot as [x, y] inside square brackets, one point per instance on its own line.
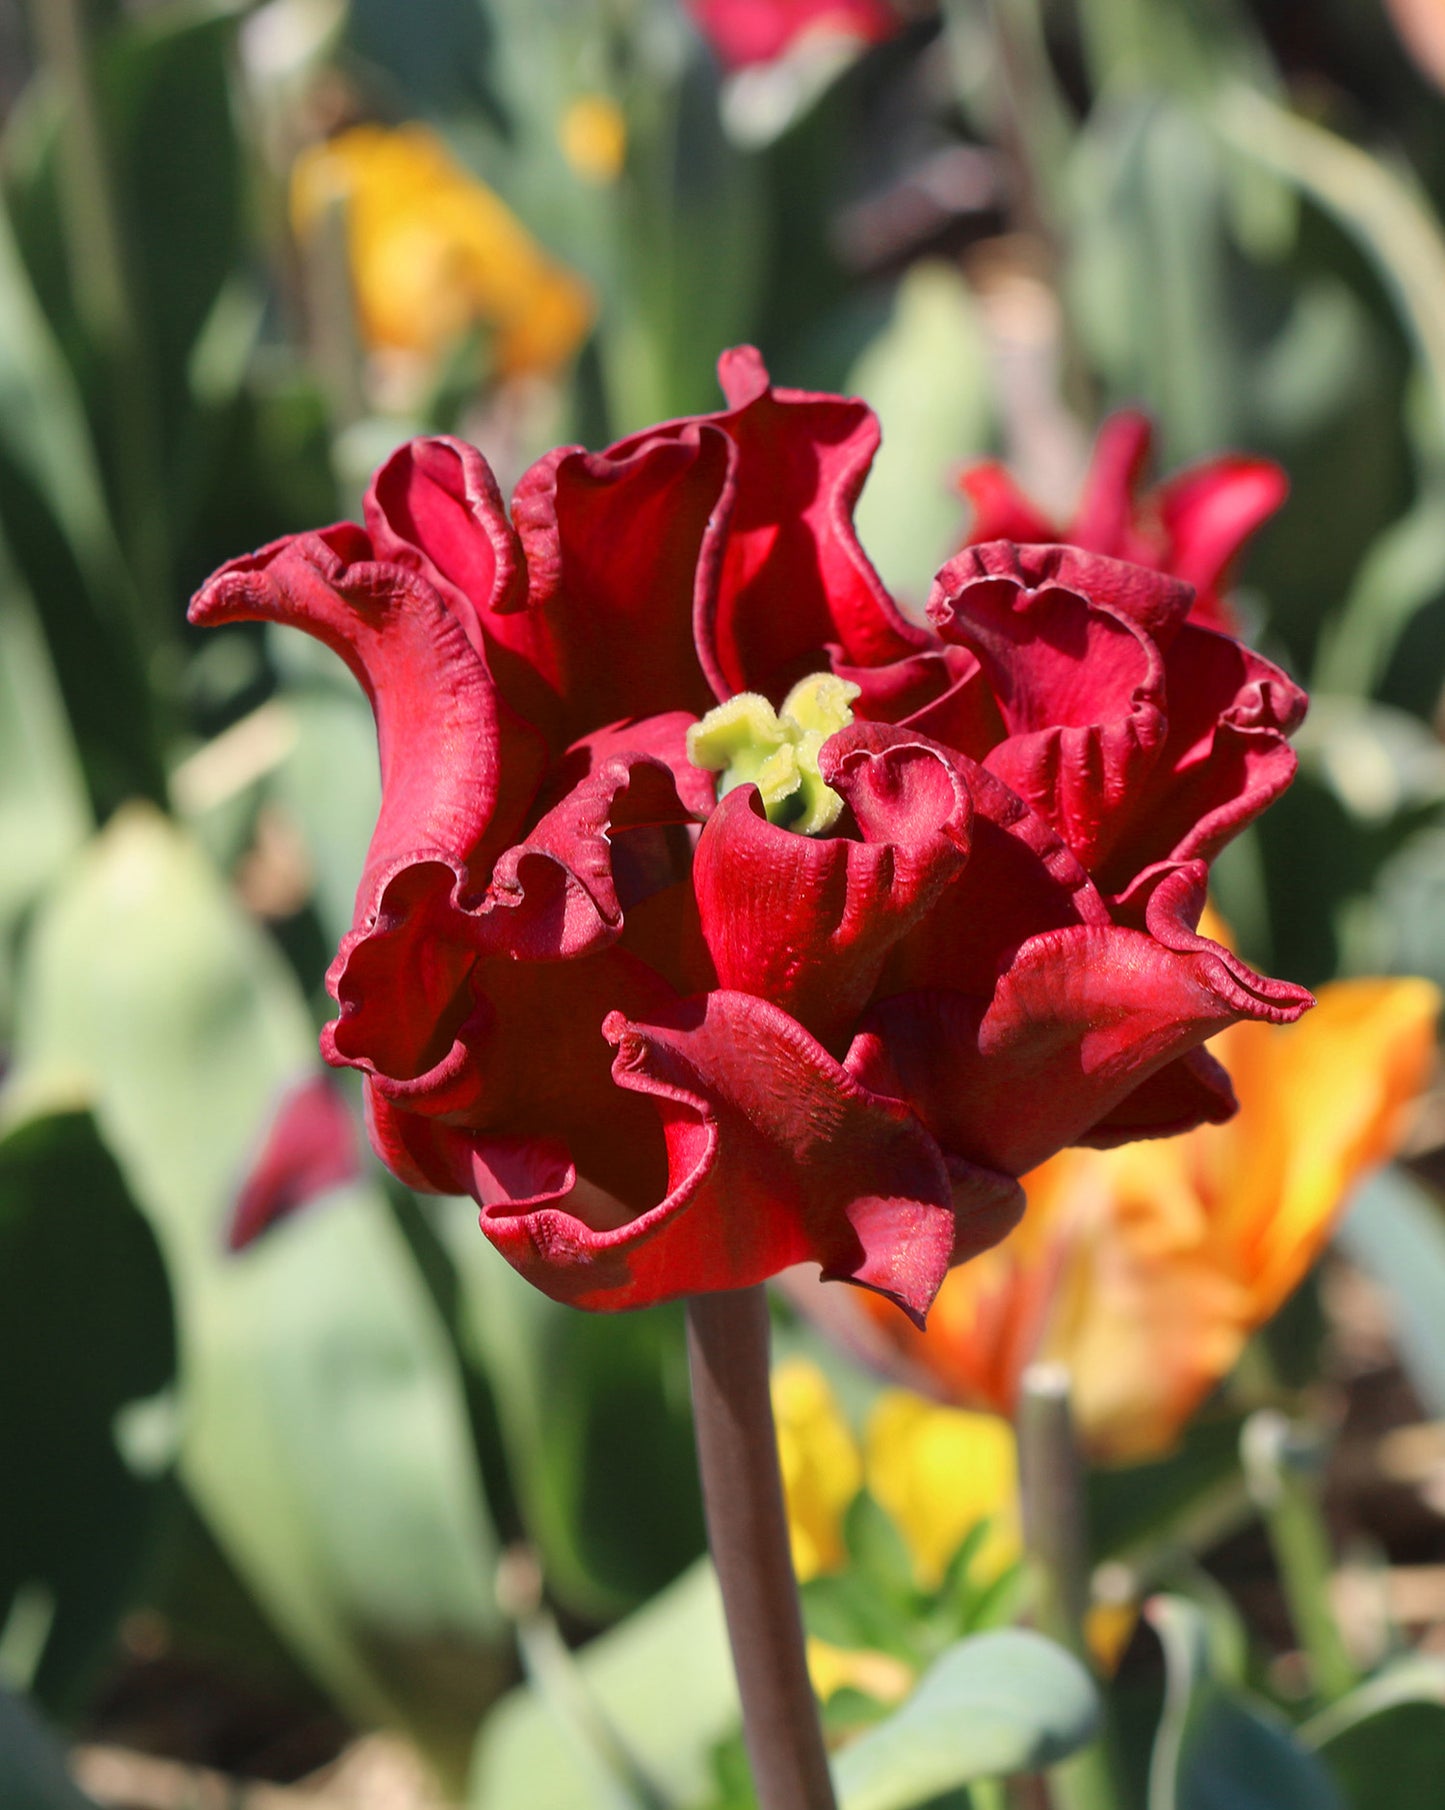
[747, 1527]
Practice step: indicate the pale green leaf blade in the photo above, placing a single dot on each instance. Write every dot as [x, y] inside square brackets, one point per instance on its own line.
[991, 1706]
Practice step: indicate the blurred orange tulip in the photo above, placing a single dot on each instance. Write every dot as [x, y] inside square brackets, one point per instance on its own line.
[434, 252]
[1146, 1269]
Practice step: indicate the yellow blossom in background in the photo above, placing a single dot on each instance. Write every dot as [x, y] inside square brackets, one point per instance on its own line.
[1144, 1270]
[939, 1473]
[593, 135]
[434, 252]
[936, 1472]
[877, 1675]
[821, 1465]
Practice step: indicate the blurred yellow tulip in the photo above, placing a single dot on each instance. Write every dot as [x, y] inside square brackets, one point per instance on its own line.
[434, 252]
[821, 1465]
[1144, 1270]
[941, 1472]
[937, 1472]
[594, 138]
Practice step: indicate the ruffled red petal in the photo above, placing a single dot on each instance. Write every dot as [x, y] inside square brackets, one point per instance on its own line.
[942, 693]
[1001, 511]
[1082, 1019]
[622, 550]
[1209, 511]
[1064, 640]
[458, 768]
[1021, 879]
[775, 1156]
[527, 1058]
[792, 579]
[1224, 759]
[1194, 525]
[309, 1149]
[1107, 517]
[808, 922]
[744, 32]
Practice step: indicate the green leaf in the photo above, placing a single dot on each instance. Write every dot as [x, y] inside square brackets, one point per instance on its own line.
[55, 524]
[927, 375]
[1381, 208]
[1135, 1509]
[1383, 1742]
[325, 1434]
[1407, 908]
[329, 784]
[165, 84]
[663, 1680]
[1396, 1233]
[86, 1332]
[44, 813]
[994, 1705]
[1147, 278]
[32, 1771]
[596, 1421]
[1217, 1748]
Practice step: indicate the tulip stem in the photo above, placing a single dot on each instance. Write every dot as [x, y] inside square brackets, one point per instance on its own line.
[728, 1341]
[1282, 1462]
[1051, 1490]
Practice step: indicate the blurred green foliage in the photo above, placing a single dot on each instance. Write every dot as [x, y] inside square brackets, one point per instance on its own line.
[1007, 221]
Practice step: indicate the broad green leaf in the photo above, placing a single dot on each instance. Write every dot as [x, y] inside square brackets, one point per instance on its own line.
[1407, 908]
[1384, 1741]
[165, 83]
[1217, 1748]
[86, 1333]
[329, 784]
[596, 1422]
[1147, 278]
[55, 524]
[1403, 571]
[1396, 1233]
[1387, 214]
[1379, 762]
[664, 1682]
[44, 813]
[324, 1432]
[993, 1705]
[32, 1771]
[927, 375]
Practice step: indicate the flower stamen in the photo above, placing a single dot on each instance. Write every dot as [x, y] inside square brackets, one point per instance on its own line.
[747, 742]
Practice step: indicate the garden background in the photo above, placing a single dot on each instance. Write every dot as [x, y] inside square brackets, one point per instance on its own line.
[305, 1498]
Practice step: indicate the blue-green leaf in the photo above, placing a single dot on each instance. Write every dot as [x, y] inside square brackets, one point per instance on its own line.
[1217, 1748]
[1396, 1233]
[664, 1682]
[325, 1436]
[1384, 1741]
[32, 1772]
[86, 1333]
[993, 1705]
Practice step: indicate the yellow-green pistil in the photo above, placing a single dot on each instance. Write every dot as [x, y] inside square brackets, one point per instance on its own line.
[747, 742]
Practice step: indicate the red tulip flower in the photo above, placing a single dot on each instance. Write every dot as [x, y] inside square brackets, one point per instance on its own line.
[744, 32]
[1194, 525]
[719, 917]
